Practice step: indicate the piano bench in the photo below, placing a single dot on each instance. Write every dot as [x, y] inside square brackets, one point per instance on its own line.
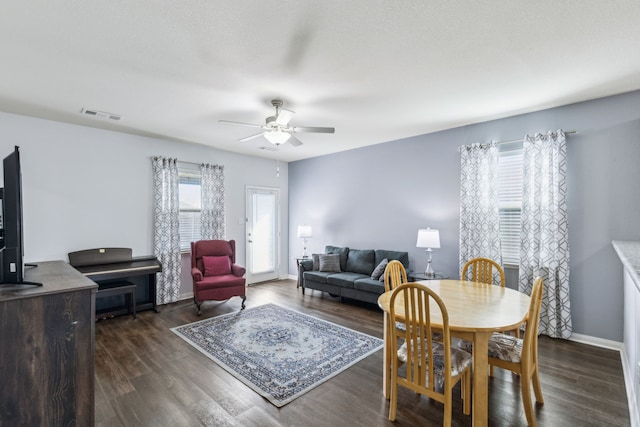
[127, 289]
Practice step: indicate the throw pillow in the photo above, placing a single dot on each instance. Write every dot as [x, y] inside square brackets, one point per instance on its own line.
[330, 263]
[216, 265]
[316, 261]
[379, 270]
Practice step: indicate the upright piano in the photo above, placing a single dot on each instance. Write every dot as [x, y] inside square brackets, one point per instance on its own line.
[119, 275]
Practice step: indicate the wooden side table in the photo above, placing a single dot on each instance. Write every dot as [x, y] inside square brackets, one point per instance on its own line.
[298, 260]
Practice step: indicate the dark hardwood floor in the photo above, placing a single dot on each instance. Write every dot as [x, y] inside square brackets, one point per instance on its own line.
[148, 376]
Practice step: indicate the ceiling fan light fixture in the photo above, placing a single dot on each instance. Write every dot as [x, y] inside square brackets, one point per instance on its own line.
[277, 137]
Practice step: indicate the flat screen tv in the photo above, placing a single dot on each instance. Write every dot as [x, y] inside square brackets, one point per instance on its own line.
[11, 253]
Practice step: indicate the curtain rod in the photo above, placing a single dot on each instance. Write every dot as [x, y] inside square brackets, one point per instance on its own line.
[185, 162]
[567, 132]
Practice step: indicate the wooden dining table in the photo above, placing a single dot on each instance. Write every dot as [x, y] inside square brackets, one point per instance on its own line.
[476, 310]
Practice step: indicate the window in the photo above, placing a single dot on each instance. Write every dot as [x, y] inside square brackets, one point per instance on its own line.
[510, 202]
[190, 206]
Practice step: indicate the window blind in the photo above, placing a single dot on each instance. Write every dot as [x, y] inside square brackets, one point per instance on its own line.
[510, 203]
[189, 187]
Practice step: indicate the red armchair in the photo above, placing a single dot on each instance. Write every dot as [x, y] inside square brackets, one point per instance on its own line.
[216, 276]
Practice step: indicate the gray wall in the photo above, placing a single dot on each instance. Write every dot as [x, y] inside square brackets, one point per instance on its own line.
[379, 196]
[86, 188]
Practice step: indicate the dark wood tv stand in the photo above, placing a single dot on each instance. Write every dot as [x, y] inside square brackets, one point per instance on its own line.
[47, 348]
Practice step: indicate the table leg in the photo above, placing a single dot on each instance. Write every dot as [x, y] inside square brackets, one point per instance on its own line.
[480, 399]
[386, 360]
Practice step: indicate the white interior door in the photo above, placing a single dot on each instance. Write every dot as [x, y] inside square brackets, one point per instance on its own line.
[263, 234]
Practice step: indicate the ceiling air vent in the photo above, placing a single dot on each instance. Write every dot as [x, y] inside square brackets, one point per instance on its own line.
[100, 114]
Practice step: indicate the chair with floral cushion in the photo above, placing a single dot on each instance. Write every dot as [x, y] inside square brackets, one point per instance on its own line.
[431, 368]
[520, 355]
[482, 270]
[215, 274]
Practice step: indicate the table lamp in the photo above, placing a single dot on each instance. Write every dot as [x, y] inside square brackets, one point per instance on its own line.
[428, 238]
[304, 232]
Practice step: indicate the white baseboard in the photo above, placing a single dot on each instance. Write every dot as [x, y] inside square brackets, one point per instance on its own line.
[597, 342]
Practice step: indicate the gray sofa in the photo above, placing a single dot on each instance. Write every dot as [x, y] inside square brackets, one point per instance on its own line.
[354, 278]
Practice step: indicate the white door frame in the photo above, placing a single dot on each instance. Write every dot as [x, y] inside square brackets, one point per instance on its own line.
[254, 278]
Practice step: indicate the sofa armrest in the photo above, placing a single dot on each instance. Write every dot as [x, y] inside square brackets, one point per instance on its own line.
[238, 270]
[304, 265]
[196, 274]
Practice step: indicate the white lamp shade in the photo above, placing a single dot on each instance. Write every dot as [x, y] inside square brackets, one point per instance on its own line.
[277, 137]
[304, 231]
[428, 238]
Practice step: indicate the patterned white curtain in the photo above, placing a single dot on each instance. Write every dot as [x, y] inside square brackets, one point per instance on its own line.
[544, 239]
[212, 218]
[479, 209]
[166, 235]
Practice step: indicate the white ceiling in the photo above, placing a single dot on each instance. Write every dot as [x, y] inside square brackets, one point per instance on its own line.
[375, 70]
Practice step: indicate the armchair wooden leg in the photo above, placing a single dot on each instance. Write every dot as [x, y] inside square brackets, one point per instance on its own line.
[198, 304]
[244, 298]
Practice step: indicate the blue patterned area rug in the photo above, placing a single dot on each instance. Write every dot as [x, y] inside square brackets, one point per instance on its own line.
[279, 353]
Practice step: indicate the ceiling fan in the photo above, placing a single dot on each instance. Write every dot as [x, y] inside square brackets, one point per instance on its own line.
[277, 129]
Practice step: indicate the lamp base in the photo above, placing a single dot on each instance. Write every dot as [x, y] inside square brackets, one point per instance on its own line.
[429, 273]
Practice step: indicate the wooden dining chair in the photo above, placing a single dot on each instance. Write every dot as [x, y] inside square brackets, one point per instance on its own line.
[521, 355]
[394, 275]
[421, 364]
[482, 271]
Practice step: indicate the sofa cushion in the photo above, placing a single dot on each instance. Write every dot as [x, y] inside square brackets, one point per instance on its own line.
[369, 285]
[361, 261]
[403, 257]
[330, 263]
[316, 261]
[345, 279]
[317, 276]
[216, 265]
[342, 251]
[379, 270]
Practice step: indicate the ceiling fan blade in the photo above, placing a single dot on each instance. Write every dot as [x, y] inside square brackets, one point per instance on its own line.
[251, 137]
[294, 141]
[284, 117]
[240, 123]
[314, 129]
